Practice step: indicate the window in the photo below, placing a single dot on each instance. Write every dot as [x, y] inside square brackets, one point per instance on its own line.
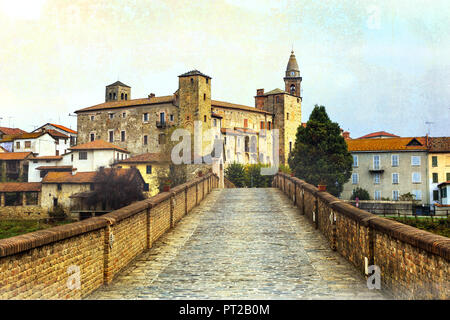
[192, 80]
[118, 154]
[204, 118]
[278, 99]
[434, 161]
[376, 162]
[287, 116]
[355, 178]
[415, 160]
[435, 177]
[207, 80]
[444, 192]
[27, 144]
[245, 123]
[82, 155]
[111, 135]
[32, 198]
[145, 117]
[292, 89]
[171, 117]
[91, 187]
[122, 136]
[18, 144]
[149, 169]
[261, 125]
[268, 125]
[110, 96]
[92, 136]
[204, 96]
[395, 195]
[395, 178]
[377, 195]
[114, 96]
[59, 186]
[290, 146]
[126, 96]
[355, 161]
[162, 117]
[448, 176]
[417, 194]
[435, 195]
[416, 178]
[124, 114]
[111, 115]
[71, 157]
[146, 187]
[57, 152]
[376, 178]
[162, 138]
[215, 122]
[394, 160]
[145, 140]
[93, 117]
[121, 96]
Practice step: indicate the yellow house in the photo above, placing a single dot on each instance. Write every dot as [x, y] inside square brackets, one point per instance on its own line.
[149, 165]
[438, 164]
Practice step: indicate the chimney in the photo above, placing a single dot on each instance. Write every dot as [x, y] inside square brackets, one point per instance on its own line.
[346, 135]
[259, 99]
[151, 95]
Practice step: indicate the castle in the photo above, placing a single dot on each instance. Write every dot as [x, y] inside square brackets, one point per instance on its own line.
[141, 125]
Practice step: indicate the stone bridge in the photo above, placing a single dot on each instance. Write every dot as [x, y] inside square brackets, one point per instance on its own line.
[201, 242]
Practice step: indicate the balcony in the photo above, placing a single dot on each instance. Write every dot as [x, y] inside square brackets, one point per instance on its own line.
[163, 124]
[376, 169]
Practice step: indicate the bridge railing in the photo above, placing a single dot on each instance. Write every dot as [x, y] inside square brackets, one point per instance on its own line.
[70, 261]
[413, 264]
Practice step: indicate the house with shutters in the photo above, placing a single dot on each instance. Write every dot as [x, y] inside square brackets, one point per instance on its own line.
[389, 167]
[72, 134]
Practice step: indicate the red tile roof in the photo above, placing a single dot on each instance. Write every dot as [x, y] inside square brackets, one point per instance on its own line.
[14, 155]
[379, 134]
[20, 186]
[55, 168]
[128, 103]
[98, 145]
[55, 133]
[11, 131]
[439, 144]
[223, 104]
[380, 144]
[79, 177]
[63, 128]
[147, 157]
[47, 158]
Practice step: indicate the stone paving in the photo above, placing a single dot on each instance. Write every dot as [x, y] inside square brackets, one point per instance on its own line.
[240, 244]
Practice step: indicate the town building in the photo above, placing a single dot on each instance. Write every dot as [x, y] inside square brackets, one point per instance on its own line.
[21, 200]
[444, 192]
[149, 165]
[14, 166]
[141, 125]
[39, 166]
[389, 168]
[45, 143]
[72, 134]
[5, 131]
[438, 164]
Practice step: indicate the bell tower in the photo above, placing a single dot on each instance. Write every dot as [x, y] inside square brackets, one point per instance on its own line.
[292, 80]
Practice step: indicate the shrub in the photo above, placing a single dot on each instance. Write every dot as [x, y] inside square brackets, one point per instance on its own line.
[361, 193]
[58, 213]
[235, 172]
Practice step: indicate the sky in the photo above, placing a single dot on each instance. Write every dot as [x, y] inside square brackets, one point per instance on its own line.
[374, 65]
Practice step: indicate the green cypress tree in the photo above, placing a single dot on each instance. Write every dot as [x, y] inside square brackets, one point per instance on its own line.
[320, 154]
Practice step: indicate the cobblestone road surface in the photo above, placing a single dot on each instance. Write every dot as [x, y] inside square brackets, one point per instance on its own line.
[240, 244]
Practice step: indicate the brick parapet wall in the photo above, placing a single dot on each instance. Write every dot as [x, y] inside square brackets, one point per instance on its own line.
[414, 264]
[43, 264]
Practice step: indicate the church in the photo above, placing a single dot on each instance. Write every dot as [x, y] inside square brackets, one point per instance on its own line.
[142, 125]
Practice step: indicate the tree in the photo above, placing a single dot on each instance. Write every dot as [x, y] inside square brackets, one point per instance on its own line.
[175, 176]
[253, 177]
[320, 154]
[360, 193]
[116, 188]
[235, 172]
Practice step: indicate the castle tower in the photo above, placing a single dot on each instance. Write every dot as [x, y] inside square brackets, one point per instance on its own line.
[292, 80]
[117, 91]
[194, 94]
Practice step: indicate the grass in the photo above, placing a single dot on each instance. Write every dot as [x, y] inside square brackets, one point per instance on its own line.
[11, 228]
[440, 226]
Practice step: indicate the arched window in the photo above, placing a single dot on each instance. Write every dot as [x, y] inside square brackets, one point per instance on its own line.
[110, 96]
[246, 143]
[115, 96]
[292, 88]
[253, 144]
[121, 96]
[126, 96]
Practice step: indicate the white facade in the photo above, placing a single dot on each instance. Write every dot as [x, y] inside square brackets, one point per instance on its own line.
[92, 160]
[44, 145]
[34, 175]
